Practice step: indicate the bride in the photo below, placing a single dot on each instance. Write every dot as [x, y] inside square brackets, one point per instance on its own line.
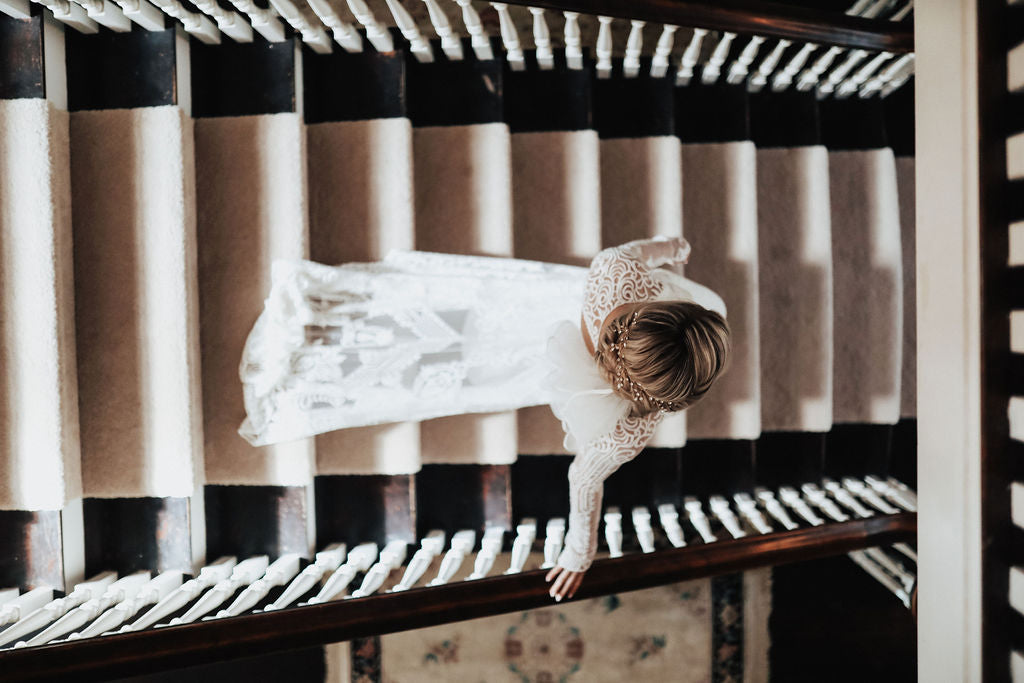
[422, 335]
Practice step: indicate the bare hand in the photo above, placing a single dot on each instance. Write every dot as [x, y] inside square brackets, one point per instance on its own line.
[566, 582]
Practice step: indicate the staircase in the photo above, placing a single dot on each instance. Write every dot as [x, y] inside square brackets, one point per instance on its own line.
[143, 207]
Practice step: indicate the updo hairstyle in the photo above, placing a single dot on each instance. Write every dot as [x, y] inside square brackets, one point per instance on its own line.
[663, 355]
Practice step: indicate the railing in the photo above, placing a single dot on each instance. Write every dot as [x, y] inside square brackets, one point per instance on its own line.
[751, 17]
[224, 639]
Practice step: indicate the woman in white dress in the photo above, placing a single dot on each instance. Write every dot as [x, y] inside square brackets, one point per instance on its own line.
[423, 335]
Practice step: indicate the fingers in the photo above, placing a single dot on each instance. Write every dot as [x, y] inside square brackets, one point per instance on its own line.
[557, 590]
[555, 571]
[576, 581]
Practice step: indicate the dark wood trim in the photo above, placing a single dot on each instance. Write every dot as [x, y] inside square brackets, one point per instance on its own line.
[31, 549]
[243, 79]
[256, 520]
[218, 640]
[131, 534]
[109, 70]
[358, 508]
[769, 19]
[22, 75]
[995, 211]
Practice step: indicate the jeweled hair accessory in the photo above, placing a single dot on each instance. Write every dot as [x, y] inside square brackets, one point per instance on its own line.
[622, 378]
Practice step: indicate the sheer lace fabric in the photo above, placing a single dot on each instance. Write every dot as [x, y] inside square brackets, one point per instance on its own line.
[597, 423]
[415, 336]
[422, 335]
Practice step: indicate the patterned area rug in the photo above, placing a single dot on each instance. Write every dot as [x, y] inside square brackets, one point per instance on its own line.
[704, 631]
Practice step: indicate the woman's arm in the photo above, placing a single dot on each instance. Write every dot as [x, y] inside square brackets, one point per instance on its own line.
[595, 462]
[622, 275]
[658, 251]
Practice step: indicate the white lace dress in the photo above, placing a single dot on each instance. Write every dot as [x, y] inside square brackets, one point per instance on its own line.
[422, 335]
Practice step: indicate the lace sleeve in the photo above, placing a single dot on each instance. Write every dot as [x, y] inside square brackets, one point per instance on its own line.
[594, 463]
[622, 275]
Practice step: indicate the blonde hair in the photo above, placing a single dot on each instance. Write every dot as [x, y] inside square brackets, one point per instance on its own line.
[663, 355]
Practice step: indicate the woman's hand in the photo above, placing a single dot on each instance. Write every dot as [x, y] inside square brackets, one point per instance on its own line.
[566, 582]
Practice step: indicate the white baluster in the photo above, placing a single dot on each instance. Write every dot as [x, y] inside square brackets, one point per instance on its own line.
[70, 14]
[573, 42]
[858, 7]
[695, 513]
[526, 532]
[835, 77]
[847, 499]
[209, 576]
[604, 47]
[16, 9]
[784, 78]
[875, 9]
[107, 14]
[430, 547]
[739, 69]
[852, 84]
[904, 490]
[905, 499]
[892, 566]
[901, 14]
[642, 526]
[712, 70]
[196, 24]
[809, 78]
[451, 45]
[376, 32]
[669, 517]
[885, 76]
[775, 508]
[662, 51]
[821, 501]
[490, 546]
[634, 47]
[142, 13]
[510, 38]
[230, 23]
[909, 552]
[55, 609]
[7, 594]
[344, 33]
[793, 499]
[768, 64]
[748, 509]
[901, 77]
[279, 573]
[478, 36]
[359, 560]
[264, 21]
[542, 40]
[242, 574]
[25, 604]
[462, 544]
[690, 57]
[119, 591]
[326, 561]
[418, 45]
[859, 489]
[391, 558]
[312, 35]
[554, 536]
[880, 575]
[613, 531]
[720, 508]
[151, 593]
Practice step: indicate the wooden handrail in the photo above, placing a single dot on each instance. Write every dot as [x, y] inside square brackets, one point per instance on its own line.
[806, 25]
[223, 639]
